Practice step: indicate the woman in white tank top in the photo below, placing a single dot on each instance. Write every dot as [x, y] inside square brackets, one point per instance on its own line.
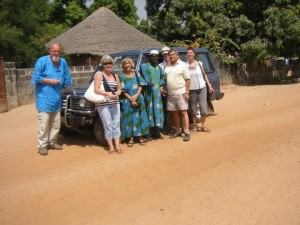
[198, 90]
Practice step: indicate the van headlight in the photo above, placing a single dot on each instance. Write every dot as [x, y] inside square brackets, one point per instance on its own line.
[82, 102]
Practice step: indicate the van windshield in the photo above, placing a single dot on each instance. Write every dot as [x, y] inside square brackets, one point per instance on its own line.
[202, 56]
[117, 68]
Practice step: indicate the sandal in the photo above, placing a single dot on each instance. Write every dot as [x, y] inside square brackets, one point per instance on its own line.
[205, 129]
[111, 152]
[119, 151]
[194, 129]
[130, 143]
[198, 129]
[142, 141]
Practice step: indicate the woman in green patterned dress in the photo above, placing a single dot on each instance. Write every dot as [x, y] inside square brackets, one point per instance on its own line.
[134, 120]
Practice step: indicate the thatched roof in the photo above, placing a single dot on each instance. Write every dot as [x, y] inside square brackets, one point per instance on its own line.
[103, 33]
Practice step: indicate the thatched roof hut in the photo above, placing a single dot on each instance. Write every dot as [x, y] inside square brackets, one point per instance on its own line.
[102, 33]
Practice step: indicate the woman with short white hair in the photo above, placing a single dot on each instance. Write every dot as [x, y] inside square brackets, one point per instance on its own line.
[134, 119]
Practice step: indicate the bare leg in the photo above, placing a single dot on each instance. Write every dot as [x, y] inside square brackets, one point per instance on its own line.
[203, 119]
[117, 144]
[111, 146]
[176, 120]
[186, 121]
[204, 128]
[195, 126]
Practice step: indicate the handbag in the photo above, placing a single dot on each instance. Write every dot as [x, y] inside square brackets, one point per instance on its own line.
[91, 96]
[210, 96]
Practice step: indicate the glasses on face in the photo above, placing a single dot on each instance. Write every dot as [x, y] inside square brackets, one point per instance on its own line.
[107, 63]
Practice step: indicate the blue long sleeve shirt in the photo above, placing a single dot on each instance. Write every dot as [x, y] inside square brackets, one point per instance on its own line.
[48, 97]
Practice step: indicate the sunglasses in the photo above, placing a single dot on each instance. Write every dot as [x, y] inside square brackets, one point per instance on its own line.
[108, 63]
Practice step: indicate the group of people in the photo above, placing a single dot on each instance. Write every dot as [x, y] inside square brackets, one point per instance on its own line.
[133, 111]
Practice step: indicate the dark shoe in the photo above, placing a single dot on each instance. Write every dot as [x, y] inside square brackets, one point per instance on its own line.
[148, 139]
[187, 137]
[142, 141]
[158, 137]
[130, 143]
[43, 151]
[55, 146]
[175, 134]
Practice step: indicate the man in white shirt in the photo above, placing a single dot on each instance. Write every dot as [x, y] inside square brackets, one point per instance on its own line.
[178, 86]
[165, 54]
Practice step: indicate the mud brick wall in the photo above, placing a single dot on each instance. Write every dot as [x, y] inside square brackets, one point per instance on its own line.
[25, 88]
[11, 84]
[81, 74]
[21, 91]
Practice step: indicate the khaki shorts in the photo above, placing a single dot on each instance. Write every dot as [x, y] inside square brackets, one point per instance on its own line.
[177, 102]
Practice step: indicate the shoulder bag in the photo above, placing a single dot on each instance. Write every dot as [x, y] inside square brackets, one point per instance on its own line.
[91, 96]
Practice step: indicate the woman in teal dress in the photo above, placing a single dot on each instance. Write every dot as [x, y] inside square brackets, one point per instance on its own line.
[134, 120]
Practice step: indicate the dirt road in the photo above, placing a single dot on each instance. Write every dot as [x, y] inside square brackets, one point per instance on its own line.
[246, 171]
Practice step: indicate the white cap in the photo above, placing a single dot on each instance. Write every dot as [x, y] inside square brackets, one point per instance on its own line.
[165, 50]
[154, 52]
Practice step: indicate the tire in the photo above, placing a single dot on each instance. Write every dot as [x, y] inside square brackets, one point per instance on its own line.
[99, 132]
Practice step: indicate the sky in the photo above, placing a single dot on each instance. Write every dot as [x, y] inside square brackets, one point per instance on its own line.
[140, 4]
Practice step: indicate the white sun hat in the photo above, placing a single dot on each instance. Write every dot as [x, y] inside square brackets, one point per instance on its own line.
[154, 52]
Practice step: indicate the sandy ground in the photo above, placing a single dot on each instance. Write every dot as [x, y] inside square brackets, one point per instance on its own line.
[247, 171]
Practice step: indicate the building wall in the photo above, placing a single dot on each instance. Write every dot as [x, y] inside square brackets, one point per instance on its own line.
[20, 90]
[11, 84]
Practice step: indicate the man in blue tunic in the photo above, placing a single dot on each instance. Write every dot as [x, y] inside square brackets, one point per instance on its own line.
[51, 74]
[154, 76]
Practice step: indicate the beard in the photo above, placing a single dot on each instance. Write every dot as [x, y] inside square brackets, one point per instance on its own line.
[55, 59]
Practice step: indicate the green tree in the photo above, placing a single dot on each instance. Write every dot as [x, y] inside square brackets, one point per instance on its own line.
[19, 20]
[227, 27]
[282, 29]
[199, 23]
[46, 33]
[254, 49]
[144, 27]
[125, 9]
[253, 9]
[68, 12]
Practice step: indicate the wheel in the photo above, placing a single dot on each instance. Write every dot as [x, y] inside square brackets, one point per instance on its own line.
[99, 132]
